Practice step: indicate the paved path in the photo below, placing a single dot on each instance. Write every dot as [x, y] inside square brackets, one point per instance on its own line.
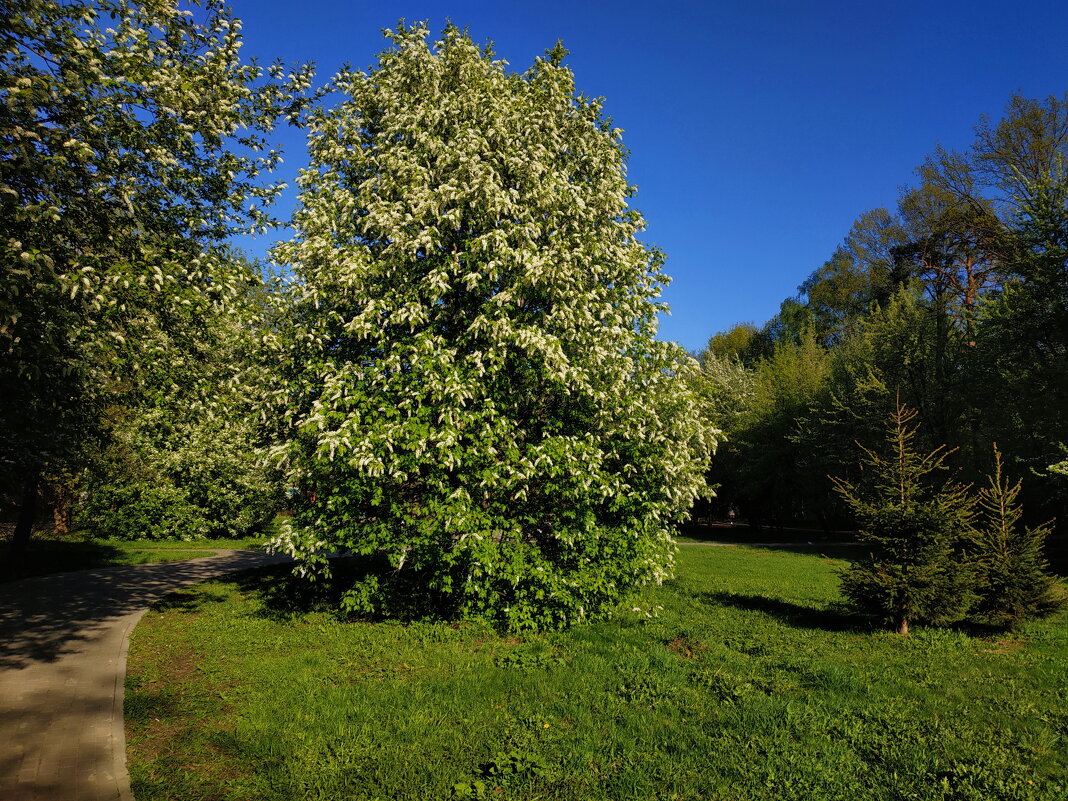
[63, 643]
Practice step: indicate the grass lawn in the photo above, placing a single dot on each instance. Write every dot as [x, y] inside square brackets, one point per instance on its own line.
[50, 554]
[750, 684]
[743, 532]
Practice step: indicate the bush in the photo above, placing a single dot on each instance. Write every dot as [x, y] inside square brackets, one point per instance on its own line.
[162, 479]
[142, 510]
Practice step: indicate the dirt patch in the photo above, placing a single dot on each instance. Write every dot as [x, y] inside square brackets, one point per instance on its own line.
[170, 702]
[686, 647]
[1006, 645]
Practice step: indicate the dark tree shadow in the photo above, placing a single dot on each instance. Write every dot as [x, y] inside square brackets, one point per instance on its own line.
[187, 600]
[141, 705]
[400, 596]
[747, 532]
[845, 551]
[47, 556]
[284, 596]
[44, 617]
[1057, 554]
[838, 617]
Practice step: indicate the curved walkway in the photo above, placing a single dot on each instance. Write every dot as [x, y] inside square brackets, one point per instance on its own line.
[63, 643]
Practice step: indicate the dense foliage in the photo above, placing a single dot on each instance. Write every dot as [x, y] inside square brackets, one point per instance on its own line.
[475, 389]
[131, 141]
[182, 462]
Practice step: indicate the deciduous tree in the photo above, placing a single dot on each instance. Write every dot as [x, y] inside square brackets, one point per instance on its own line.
[130, 145]
[476, 389]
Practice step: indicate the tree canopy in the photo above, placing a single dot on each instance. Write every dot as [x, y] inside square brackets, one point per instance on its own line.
[953, 305]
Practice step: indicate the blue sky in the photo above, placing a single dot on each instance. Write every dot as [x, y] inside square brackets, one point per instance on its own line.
[758, 130]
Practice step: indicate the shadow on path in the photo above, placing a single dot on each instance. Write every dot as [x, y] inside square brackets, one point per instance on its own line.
[63, 641]
[45, 617]
[48, 556]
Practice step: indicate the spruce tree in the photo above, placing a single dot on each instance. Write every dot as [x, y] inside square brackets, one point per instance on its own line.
[913, 522]
[1012, 575]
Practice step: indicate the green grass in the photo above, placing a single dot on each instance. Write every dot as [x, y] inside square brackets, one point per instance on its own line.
[743, 532]
[750, 683]
[50, 554]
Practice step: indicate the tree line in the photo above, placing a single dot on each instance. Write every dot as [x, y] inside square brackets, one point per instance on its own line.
[949, 311]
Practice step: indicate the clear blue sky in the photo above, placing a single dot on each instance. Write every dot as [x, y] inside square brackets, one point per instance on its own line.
[758, 130]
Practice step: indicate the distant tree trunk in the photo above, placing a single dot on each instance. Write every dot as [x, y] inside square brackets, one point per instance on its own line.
[20, 538]
[62, 511]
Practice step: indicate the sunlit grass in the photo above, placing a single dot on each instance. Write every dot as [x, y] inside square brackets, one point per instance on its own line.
[750, 683]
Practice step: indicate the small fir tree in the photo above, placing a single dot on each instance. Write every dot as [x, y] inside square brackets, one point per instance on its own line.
[1012, 575]
[913, 524]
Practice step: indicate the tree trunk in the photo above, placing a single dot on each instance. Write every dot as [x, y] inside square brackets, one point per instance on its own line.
[62, 512]
[20, 538]
[903, 626]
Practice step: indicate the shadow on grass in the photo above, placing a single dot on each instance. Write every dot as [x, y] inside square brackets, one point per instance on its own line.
[44, 557]
[400, 597]
[188, 601]
[142, 704]
[845, 551]
[745, 533]
[834, 618]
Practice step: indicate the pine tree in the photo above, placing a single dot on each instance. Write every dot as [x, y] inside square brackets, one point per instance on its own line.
[1012, 575]
[913, 524]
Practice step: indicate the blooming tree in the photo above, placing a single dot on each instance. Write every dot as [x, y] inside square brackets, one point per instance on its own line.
[131, 145]
[473, 387]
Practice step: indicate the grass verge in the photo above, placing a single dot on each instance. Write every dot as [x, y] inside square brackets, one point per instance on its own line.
[750, 683]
